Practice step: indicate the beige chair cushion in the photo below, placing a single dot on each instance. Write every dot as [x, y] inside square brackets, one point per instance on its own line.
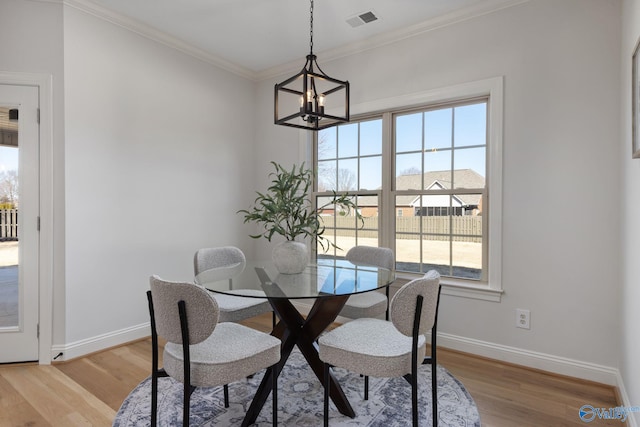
[231, 353]
[403, 305]
[371, 255]
[371, 347]
[225, 263]
[368, 304]
[207, 258]
[234, 309]
[166, 296]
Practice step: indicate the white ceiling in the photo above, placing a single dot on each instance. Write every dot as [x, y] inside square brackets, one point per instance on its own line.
[258, 35]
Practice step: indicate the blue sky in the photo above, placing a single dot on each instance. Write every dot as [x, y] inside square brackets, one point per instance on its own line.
[455, 135]
[8, 158]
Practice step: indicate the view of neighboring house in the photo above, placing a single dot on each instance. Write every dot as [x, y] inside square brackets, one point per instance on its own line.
[432, 204]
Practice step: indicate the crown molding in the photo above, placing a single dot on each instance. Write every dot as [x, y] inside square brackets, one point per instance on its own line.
[135, 26]
[154, 34]
[387, 38]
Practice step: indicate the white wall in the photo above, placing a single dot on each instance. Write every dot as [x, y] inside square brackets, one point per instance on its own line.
[630, 229]
[561, 187]
[158, 150]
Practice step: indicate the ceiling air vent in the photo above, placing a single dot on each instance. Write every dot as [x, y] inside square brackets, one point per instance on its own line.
[362, 18]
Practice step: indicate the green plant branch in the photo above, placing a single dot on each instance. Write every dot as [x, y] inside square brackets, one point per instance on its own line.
[286, 209]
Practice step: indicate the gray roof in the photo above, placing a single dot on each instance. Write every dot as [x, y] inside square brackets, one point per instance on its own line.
[462, 178]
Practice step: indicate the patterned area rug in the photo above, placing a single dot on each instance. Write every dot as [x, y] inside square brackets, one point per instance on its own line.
[300, 400]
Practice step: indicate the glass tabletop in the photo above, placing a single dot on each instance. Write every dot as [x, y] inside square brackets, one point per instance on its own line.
[327, 277]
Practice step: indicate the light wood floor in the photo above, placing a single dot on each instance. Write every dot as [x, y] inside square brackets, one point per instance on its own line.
[89, 391]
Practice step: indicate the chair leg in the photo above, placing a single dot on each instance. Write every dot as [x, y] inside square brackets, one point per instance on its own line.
[274, 394]
[273, 320]
[327, 385]
[434, 395]
[186, 403]
[226, 395]
[414, 361]
[154, 363]
[434, 384]
[366, 387]
[154, 394]
[154, 399]
[414, 398]
[434, 372]
[386, 313]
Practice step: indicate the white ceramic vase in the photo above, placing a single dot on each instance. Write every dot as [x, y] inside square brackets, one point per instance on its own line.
[290, 257]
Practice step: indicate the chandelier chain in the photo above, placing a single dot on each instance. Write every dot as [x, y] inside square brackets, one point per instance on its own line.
[311, 28]
[310, 114]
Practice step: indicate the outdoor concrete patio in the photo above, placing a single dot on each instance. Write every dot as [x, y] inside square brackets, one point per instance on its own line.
[8, 284]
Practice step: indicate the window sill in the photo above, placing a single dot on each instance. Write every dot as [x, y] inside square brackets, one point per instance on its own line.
[461, 288]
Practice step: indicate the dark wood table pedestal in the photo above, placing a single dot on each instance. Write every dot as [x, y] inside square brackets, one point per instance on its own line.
[294, 330]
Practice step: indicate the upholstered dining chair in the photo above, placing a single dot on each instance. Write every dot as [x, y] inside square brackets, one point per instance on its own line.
[232, 308]
[380, 348]
[200, 352]
[369, 304]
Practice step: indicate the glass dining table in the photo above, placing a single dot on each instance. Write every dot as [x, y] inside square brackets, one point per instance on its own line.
[327, 282]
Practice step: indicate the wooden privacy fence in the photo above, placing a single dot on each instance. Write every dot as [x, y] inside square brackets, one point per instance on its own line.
[464, 228]
[8, 224]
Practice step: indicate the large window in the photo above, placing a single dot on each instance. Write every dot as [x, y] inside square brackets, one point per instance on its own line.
[440, 163]
[349, 160]
[420, 177]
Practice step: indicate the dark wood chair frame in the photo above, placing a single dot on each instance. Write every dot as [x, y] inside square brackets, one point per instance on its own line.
[433, 361]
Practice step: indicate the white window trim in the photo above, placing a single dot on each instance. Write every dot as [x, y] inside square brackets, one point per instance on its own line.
[494, 88]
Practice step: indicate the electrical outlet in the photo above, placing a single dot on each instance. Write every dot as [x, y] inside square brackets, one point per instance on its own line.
[523, 318]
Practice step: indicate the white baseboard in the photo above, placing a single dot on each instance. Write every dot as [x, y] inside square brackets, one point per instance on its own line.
[532, 359]
[100, 342]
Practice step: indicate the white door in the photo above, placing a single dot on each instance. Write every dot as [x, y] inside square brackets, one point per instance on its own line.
[19, 214]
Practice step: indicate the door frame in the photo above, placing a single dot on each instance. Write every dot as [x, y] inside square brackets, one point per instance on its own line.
[44, 83]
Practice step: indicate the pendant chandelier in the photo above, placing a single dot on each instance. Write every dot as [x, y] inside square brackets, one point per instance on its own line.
[305, 100]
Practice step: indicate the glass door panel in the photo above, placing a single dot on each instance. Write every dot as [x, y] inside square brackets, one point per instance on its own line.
[9, 169]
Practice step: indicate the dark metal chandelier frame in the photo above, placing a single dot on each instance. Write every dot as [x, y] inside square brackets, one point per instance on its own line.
[312, 99]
